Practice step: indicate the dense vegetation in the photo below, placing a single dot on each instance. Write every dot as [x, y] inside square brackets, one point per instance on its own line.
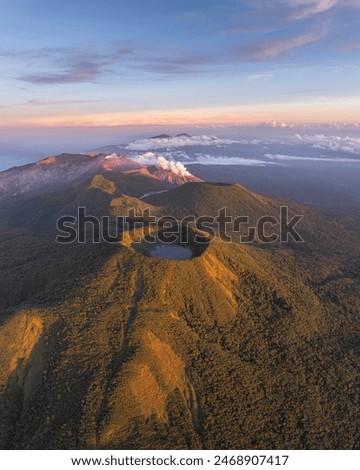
[245, 346]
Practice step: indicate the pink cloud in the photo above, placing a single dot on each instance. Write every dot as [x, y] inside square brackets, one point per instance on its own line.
[276, 48]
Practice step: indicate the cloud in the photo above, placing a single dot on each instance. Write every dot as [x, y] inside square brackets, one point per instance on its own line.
[77, 73]
[73, 66]
[175, 142]
[257, 77]
[354, 46]
[306, 8]
[169, 68]
[148, 158]
[344, 125]
[331, 142]
[174, 62]
[259, 16]
[261, 51]
[302, 9]
[274, 49]
[56, 65]
[239, 161]
[275, 124]
[315, 159]
[7, 53]
[180, 158]
[55, 102]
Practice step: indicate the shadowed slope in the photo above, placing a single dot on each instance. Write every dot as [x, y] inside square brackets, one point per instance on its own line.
[138, 352]
[208, 198]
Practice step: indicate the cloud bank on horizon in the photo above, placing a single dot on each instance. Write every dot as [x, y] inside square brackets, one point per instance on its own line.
[177, 141]
[87, 63]
[331, 142]
[345, 143]
[173, 153]
[257, 146]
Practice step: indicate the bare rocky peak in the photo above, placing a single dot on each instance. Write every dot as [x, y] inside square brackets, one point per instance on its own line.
[172, 177]
[55, 171]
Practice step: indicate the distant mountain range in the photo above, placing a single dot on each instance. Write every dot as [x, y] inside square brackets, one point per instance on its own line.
[56, 171]
[167, 136]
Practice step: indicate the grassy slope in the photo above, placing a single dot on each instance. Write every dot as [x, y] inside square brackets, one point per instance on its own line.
[242, 347]
[39, 213]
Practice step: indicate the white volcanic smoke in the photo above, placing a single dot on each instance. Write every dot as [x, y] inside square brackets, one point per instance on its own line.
[176, 167]
[150, 158]
[112, 156]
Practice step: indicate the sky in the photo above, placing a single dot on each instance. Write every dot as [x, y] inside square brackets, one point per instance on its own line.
[116, 62]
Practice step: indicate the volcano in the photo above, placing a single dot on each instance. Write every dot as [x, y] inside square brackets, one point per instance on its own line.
[103, 347]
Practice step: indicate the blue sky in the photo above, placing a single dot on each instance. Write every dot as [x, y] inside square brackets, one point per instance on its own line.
[119, 62]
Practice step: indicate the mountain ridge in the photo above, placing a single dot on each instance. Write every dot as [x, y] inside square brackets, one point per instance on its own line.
[242, 346]
[57, 171]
